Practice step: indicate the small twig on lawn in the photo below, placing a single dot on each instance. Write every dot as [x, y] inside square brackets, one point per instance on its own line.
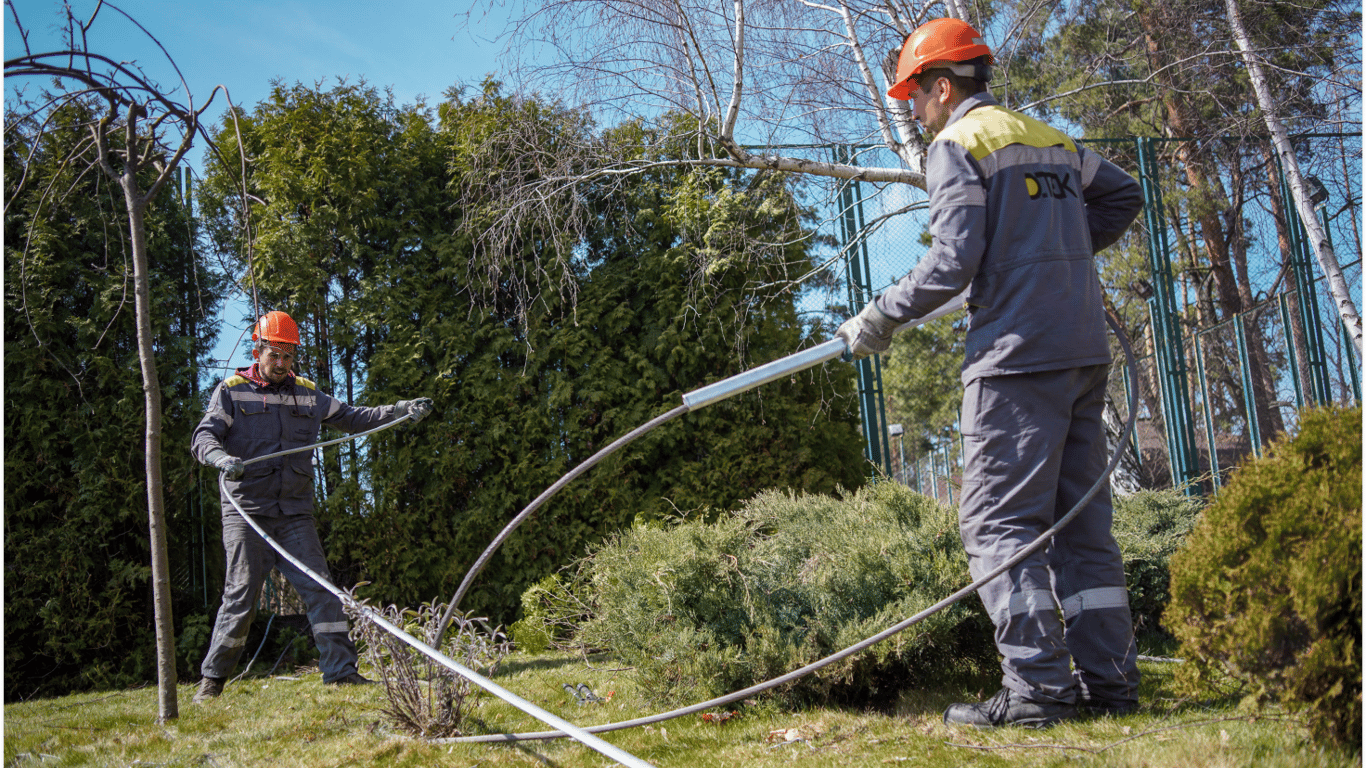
[1250, 718]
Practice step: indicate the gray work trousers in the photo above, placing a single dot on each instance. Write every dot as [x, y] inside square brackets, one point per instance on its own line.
[1034, 444]
[249, 560]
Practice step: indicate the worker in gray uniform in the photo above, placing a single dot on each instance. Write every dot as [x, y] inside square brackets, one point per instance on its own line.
[261, 410]
[1017, 212]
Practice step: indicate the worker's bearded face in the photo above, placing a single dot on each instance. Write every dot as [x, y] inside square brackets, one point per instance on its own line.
[274, 364]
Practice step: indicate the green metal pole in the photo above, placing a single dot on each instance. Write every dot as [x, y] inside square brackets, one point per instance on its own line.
[1348, 350]
[1249, 399]
[934, 471]
[1302, 267]
[1353, 376]
[946, 447]
[1133, 438]
[1294, 359]
[1209, 413]
[1171, 358]
[884, 447]
[860, 292]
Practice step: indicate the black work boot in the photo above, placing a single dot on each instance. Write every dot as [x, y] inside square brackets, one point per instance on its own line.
[355, 678]
[209, 688]
[1008, 708]
[1107, 707]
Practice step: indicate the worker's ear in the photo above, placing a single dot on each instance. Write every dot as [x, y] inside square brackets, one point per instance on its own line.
[945, 90]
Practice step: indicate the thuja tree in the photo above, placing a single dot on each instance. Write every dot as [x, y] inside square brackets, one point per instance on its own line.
[654, 305]
[534, 362]
[78, 609]
[342, 185]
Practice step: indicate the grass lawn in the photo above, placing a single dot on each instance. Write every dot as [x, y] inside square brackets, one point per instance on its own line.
[293, 720]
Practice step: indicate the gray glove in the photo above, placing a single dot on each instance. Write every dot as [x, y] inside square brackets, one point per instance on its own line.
[229, 465]
[867, 333]
[418, 409]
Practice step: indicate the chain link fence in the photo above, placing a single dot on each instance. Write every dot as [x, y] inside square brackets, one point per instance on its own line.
[1216, 284]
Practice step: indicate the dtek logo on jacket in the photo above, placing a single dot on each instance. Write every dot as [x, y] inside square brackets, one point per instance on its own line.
[1049, 184]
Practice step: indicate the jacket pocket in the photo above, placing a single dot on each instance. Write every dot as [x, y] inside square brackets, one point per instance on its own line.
[256, 406]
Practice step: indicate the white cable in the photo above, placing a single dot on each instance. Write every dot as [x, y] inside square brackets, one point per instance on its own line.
[1014, 560]
[563, 726]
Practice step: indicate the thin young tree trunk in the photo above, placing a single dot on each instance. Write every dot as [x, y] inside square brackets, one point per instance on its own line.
[1280, 137]
[167, 707]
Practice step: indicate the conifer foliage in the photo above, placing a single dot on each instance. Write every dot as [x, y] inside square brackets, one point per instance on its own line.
[1266, 593]
[534, 363]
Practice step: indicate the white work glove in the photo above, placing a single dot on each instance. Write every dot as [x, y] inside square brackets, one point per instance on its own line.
[867, 333]
[418, 409]
[229, 465]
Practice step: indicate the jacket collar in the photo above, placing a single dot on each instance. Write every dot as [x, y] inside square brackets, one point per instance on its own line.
[972, 102]
[252, 373]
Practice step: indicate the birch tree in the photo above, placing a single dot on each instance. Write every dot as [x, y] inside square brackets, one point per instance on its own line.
[138, 143]
[1280, 137]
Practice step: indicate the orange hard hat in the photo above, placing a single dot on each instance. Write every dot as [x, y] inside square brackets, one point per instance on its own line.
[276, 327]
[948, 40]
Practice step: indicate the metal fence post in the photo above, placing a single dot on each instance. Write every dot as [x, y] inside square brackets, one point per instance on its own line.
[1209, 415]
[1291, 357]
[1347, 350]
[1301, 266]
[1132, 397]
[1249, 397]
[947, 447]
[1171, 357]
[872, 406]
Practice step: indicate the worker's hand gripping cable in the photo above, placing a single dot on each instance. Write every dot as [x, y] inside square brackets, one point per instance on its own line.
[564, 727]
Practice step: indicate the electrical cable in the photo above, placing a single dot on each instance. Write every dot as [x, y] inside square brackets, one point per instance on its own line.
[703, 396]
[279, 658]
[479, 564]
[566, 728]
[264, 636]
[1037, 544]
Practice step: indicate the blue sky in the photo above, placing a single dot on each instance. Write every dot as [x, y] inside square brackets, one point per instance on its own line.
[417, 47]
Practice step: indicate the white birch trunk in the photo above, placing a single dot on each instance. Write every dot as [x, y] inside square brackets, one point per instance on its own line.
[1280, 137]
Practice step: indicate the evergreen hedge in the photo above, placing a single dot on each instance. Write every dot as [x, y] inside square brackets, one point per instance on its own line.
[1266, 593]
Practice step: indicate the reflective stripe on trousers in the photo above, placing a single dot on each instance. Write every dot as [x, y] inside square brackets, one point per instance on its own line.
[249, 559]
[1034, 444]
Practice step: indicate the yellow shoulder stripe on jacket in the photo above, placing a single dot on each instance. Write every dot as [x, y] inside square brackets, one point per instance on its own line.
[301, 381]
[987, 129]
[234, 380]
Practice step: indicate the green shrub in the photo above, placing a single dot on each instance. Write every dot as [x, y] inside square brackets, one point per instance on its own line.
[1150, 527]
[1266, 593]
[706, 608]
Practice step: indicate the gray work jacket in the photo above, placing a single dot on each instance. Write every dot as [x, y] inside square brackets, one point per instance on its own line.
[248, 420]
[1017, 212]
